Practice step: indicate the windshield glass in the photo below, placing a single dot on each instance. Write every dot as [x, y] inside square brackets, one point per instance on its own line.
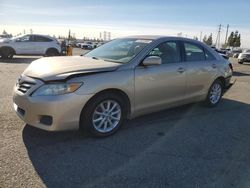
[119, 50]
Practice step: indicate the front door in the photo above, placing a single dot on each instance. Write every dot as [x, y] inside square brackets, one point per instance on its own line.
[157, 86]
[23, 45]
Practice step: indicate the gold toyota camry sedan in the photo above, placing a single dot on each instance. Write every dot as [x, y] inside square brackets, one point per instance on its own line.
[121, 79]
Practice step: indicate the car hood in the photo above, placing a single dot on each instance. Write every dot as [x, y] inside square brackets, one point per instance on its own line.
[4, 40]
[59, 68]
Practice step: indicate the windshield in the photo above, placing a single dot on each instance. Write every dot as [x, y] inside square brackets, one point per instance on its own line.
[119, 50]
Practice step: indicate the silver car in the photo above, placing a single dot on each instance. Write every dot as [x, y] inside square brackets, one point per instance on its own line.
[121, 79]
[244, 56]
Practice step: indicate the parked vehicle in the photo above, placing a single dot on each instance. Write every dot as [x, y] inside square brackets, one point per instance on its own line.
[87, 45]
[236, 53]
[121, 79]
[220, 52]
[31, 44]
[244, 56]
[79, 45]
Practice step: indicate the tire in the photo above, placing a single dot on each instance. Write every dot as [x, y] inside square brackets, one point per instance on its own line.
[94, 119]
[7, 53]
[216, 90]
[52, 52]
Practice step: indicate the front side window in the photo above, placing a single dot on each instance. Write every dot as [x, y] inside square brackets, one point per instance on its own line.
[24, 39]
[119, 50]
[194, 52]
[169, 52]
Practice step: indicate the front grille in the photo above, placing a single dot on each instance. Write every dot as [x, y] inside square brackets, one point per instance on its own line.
[24, 86]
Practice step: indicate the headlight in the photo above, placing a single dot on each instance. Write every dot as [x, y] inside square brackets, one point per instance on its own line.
[56, 89]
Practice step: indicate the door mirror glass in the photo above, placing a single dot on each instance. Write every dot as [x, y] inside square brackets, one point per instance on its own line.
[152, 60]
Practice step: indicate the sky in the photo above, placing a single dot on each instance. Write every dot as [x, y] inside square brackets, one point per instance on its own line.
[122, 18]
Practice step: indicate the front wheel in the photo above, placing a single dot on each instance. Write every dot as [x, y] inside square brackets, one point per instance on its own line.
[214, 94]
[6, 53]
[103, 115]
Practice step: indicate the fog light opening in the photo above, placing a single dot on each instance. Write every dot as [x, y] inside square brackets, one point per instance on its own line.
[46, 120]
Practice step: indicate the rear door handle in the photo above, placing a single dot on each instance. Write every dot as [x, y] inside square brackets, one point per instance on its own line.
[180, 70]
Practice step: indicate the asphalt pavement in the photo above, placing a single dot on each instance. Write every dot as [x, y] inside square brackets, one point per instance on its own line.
[189, 146]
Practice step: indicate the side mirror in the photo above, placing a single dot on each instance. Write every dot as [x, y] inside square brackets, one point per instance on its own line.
[152, 60]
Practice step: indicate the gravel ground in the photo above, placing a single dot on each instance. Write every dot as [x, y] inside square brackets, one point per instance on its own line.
[190, 146]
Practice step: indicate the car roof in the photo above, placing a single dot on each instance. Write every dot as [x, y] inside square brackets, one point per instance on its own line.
[35, 35]
[158, 37]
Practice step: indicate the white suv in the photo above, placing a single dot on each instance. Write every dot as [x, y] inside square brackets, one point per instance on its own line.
[244, 56]
[31, 44]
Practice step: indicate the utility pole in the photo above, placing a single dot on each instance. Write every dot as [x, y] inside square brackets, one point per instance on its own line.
[218, 37]
[69, 37]
[201, 36]
[226, 34]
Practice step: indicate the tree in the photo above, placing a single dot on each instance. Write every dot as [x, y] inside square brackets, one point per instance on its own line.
[205, 38]
[209, 40]
[196, 38]
[234, 40]
[230, 40]
[237, 41]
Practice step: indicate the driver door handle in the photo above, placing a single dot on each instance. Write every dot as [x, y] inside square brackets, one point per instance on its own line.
[180, 70]
[214, 66]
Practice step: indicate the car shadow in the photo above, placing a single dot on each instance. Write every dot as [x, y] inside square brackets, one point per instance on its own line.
[235, 73]
[191, 132]
[246, 63]
[20, 60]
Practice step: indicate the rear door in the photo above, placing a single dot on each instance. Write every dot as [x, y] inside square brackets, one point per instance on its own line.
[41, 44]
[201, 67]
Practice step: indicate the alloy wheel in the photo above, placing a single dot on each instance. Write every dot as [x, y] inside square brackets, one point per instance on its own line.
[106, 116]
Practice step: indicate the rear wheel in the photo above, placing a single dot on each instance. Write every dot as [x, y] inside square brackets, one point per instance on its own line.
[214, 94]
[103, 115]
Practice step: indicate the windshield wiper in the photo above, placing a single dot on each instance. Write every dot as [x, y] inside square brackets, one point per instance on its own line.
[113, 61]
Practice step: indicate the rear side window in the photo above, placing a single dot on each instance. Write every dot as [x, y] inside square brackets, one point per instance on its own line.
[41, 39]
[169, 52]
[194, 52]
